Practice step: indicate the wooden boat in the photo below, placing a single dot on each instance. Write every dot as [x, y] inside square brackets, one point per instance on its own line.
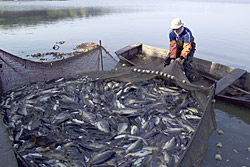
[232, 84]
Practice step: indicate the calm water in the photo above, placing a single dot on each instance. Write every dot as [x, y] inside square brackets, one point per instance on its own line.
[235, 123]
[221, 30]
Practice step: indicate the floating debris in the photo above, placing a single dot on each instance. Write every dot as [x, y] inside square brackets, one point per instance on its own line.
[56, 47]
[219, 131]
[82, 48]
[65, 122]
[218, 157]
[219, 144]
[60, 42]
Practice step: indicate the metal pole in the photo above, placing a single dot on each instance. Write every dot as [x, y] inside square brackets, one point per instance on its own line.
[101, 53]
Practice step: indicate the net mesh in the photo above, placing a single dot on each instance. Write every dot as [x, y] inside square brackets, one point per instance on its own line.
[28, 72]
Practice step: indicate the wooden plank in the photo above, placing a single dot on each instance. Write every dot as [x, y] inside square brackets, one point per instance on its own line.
[231, 86]
[228, 80]
[128, 48]
[126, 60]
[234, 100]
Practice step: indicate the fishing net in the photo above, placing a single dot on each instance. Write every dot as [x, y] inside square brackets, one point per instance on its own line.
[123, 74]
[173, 75]
[17, 71]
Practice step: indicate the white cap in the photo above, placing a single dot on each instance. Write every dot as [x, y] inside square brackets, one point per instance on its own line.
[176, 23]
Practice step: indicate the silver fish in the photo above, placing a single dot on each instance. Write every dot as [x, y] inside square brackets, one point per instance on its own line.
[88, 116]
[126, 111]
[189, 116]
[170, 144]
[103, 126]
[136, 146]
[134, 130]
[101, 157]
[141, 153]
[122, 127]
[131, 136]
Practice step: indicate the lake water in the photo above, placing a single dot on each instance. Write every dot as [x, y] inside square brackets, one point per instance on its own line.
[221, 31]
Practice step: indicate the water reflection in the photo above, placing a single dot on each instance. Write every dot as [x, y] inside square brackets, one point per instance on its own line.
[235, 123]
[234, 111]
[13, 19]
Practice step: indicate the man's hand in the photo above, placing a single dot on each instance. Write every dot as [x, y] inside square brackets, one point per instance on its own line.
[172, 60]
[178, 59]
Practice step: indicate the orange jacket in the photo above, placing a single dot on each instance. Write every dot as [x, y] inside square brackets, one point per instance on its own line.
[180, 45]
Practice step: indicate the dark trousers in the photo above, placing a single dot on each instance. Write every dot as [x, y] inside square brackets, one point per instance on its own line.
[187, 64]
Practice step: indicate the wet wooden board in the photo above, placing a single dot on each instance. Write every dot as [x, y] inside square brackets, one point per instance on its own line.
[228, 80]
[128, 48]
[126, 60]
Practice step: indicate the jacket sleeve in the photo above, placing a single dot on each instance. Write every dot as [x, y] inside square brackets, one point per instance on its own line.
[186, 50]
[172, 49]
[172, 45]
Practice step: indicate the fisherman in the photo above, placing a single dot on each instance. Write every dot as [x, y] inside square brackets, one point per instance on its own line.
[182, 46]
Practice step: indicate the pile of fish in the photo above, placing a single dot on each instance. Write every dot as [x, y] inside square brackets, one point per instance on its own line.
[101, 123]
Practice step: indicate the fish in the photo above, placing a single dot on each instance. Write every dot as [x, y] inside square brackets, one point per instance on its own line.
[66, 99]
[166, 156]
[88, 116]
[134, 130]
[194, 110]
[77, 121]
[189, 116]
[126, 111]
[122, 127]
[166, 90]
[22, 111]
[118, 104]
[170, 144]
[130, 88]
[151, 148]
[186, 126]
[173, 130]
[136, 146]
[141, 153]
[86, 121]
[18, 134]
[131, 136]
[103, 126]
[101, 157]
[130, 101]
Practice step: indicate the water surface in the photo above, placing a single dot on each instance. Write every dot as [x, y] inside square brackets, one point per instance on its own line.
[220, 27]
[235, 123]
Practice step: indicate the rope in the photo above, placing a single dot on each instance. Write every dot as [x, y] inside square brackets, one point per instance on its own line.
[8, 64]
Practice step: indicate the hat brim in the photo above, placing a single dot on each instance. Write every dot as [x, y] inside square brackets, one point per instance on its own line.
[176, 27]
